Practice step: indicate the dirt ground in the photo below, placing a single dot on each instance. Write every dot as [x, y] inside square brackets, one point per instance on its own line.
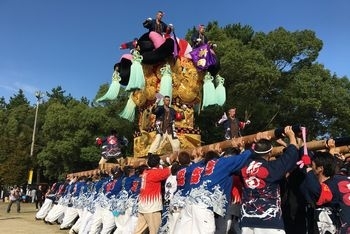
[24, 222]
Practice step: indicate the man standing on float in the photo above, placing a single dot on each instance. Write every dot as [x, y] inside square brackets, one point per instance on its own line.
[165, 126]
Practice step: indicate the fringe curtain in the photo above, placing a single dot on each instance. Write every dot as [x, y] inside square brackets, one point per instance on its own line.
[166, 83]
[220, 91]
[129, 110]
[208, 91]
[137, 78]
[113, 89]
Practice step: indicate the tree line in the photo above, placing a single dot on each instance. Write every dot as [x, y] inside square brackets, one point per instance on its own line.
[272, 78]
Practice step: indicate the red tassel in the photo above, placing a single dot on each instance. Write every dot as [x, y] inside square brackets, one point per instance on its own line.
[306, 160]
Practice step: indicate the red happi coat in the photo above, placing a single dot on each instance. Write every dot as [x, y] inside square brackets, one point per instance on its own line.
[150, 199]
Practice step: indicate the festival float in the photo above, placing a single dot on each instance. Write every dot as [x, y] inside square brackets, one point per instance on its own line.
[164, 65]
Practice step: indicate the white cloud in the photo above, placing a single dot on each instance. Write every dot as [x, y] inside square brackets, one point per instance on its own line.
[8, 88]
[27, 88]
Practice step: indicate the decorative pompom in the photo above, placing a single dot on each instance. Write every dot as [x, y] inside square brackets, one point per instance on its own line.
[306, 160]
[178, 116]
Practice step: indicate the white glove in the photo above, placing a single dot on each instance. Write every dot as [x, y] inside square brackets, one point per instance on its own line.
[161, 162]
[223, 118]
[198, 40]
[247, 122]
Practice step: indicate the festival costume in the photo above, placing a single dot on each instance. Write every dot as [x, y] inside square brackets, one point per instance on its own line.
[333, 202]
[112, 191]
[150, 200]
[104, 186]
[210, 194]
[161, 27]
[48, 202]
[198, 39]
[56, 214]
[121, 208]
[170, 188]
[131, 212]
[186, 177]
[89, 208]
[233, 127]
[45, 208]
[73, 209]
[80, 202]
[261, 200]
[165, 126]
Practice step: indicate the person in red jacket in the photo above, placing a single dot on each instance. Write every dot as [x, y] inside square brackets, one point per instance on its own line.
[150, 198]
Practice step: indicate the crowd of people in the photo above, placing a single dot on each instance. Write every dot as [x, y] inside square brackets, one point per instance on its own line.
[16, 194]
[243, 189]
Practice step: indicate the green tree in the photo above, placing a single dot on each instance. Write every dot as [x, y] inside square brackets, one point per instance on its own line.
[15, 139]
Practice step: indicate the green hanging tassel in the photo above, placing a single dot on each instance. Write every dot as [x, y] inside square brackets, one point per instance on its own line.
[220, 91]
[208, 91]
[113, 89]
[137, 78]
[129, 110]
[166, 83]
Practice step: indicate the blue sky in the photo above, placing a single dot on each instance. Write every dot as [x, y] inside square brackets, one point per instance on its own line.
[75, 43]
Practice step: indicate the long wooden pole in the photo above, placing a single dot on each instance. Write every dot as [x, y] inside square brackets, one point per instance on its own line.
[342, 144]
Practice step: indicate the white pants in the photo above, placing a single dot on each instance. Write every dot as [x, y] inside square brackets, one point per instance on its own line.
[175, 143]
[173, 217]
[44, 210]
[69, 216]
[122, 220]
[108, 223]
[85, 224]
[196, 220]
[77, 224]
[249, 230]
[56, 213]
[96, 222]
[130, 225]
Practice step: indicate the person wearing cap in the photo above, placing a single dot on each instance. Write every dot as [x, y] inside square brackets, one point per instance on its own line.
[157, 25]
[261, 199]
[199, 38]
[232, 124]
